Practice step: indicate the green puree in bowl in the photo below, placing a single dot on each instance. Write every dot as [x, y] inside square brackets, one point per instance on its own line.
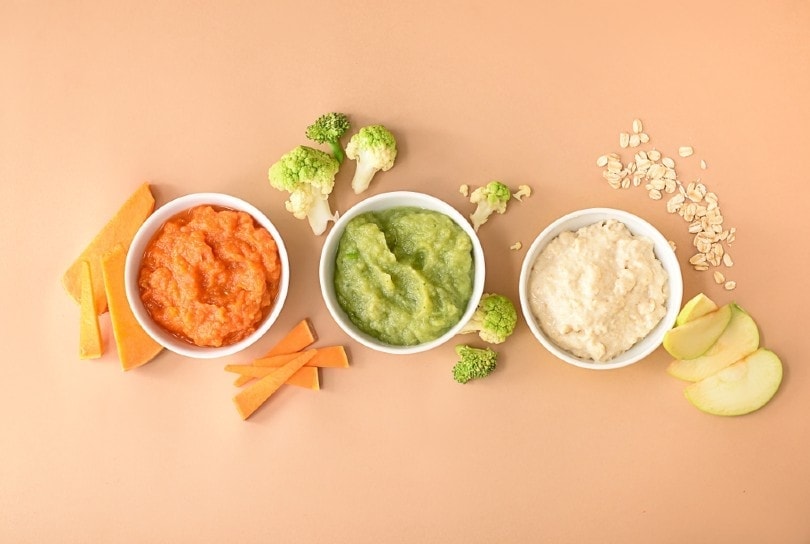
[404, 275]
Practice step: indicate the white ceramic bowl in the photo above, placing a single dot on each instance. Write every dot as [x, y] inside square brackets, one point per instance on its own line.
[133, 264]
[384, 201]
[664, 253]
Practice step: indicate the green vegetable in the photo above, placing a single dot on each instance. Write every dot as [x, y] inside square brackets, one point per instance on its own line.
[374, 148]
[473, 363]
[494, 319]
[491, 198]
[309, 176]
[328, 129]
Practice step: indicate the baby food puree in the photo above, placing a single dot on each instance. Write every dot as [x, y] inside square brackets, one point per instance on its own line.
[404, 275]
[210, 275]
[599, 290]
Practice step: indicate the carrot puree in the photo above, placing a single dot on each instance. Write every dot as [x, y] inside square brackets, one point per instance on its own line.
[210, 275]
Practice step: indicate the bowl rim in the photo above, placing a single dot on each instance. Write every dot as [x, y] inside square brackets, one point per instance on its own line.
[145, 234]
[663, 253]
[387, 200]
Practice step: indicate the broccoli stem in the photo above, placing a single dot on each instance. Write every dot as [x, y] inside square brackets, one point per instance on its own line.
[319, 215]
[337, 151]
[362, 177]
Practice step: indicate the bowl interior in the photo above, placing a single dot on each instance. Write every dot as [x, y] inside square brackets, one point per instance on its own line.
[663, 252]
[141, 241]
[384, 201]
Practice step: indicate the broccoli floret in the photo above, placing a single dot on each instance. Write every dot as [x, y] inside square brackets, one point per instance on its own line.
[374, 148]
[308, 174]
[494, 319]
[473, 363]
[328, 129]
[491, 198]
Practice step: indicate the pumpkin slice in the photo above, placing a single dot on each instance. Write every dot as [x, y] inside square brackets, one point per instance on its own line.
[298, 338]
[253, 396]
[135, 347]
[90, 345]
[301, 336]
[120, 229]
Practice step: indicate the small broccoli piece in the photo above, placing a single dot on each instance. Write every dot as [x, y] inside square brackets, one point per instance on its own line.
[494, 319]
[328, 129]
[491, 198]
[374, 148]
[308, 174]
[473, 363]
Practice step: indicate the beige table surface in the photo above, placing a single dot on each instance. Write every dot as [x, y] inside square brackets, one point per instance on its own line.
[97, 97]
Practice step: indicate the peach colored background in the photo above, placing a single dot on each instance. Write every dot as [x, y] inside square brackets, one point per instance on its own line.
[96, 97]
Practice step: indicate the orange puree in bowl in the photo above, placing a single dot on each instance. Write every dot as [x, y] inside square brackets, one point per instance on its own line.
[210, 275]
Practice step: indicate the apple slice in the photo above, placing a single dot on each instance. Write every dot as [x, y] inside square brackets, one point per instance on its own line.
[743, 387]
[698, 306]
[739, 339]
[694, 338]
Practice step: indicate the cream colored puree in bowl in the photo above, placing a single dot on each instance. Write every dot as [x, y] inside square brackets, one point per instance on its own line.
[597, 291]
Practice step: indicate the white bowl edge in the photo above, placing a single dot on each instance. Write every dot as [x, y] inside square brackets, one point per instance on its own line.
[145, 235]
[385, 201]
[580, 218]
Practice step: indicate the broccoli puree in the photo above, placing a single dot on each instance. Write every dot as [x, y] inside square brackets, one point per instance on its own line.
[404, 275]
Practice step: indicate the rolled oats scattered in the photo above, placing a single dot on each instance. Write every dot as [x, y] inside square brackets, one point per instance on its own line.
[656, 171]
[692, 201]
[674, 203]
[704, 246]
[689, 211]
[610, 175]
[697, 258]
[730, 285]
[719, 277]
